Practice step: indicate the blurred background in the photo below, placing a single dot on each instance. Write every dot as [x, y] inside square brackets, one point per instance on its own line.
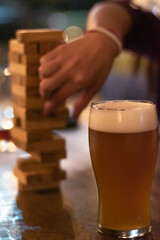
[21, 14]
[132, 77]
[25, 14]
[129, 73]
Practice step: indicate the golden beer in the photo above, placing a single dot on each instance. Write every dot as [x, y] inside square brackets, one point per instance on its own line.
[123, 138]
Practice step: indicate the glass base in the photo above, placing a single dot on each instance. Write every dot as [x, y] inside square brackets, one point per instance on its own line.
[125, 234]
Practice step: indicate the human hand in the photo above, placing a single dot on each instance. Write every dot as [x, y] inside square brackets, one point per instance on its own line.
[80, 65]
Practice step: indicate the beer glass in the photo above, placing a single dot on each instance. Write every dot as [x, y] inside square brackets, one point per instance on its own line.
[123, 139]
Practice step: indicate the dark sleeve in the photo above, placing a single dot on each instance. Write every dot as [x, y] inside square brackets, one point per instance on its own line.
[144, 35]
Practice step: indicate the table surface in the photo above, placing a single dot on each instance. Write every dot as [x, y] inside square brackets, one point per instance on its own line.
[67, 214]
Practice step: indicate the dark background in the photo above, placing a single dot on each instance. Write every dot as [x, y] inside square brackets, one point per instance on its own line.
[15, 14]
[21, 14]
[25, 14]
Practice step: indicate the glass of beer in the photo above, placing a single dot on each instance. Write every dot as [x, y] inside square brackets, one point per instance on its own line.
[123, 139]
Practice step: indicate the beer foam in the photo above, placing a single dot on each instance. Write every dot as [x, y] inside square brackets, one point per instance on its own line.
[123, 117]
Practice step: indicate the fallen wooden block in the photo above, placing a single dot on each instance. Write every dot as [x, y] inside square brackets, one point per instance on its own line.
[39, 176]
[24, 70]
[30, 136]
[49, 156]
[28, 163]
[18, 47]
[57, 143]
[38, 187]
[27, 81]
[39, 35]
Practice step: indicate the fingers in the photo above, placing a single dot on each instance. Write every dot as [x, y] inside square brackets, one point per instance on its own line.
[59, 96]
[51, 55]
[49, 85]
[49, 68]
[83, 101]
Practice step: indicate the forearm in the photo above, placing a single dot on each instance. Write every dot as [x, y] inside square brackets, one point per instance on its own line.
[111, 16]
[140, 30]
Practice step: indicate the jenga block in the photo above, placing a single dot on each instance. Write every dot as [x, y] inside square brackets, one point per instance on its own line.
[55, 144]
[49, 156]
[61, 112]
[39, 176]
[45, 47]
[14, 57]
[23, 91]
[24, 70]
[24, 59]
[27, 114]
[38, 187]
[41, 124]
[27, 81]
[30, 59]
[24, 113]
[29, 103]
[28, 48]
[39, 35]
[30, 136]
[29, 163]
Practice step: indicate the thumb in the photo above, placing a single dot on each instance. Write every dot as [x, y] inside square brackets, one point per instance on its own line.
[82, 101]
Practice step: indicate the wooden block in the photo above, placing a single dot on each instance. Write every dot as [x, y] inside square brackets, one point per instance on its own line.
[25, 59]
[23, 70]
[27, 114]
[30, 59]
[23, 91]
[14, 57]
[45, 47]
[29, 163]
[30, 136]
[39, 176]
[38, 187]
[39, 35]
[57, 143]
[27, 81]
[28, 48]
[61, 112]
[29, 103]
[41, 124]
[49, 156]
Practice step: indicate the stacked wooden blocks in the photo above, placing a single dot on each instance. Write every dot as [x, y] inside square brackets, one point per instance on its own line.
[32, 130]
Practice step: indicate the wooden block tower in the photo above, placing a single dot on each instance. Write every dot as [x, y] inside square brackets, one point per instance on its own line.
[32, 131]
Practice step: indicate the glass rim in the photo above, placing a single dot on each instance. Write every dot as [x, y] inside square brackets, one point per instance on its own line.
[94, 105]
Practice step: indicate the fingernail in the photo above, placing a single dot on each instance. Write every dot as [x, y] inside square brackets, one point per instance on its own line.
[41, 60]
[48, 107]
[41, 93]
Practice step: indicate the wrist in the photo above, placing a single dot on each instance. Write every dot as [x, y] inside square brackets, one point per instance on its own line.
[104, 43]
[109, 33]
[109, 15]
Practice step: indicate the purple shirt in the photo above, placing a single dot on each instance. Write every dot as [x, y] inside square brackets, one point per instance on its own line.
[144, 35]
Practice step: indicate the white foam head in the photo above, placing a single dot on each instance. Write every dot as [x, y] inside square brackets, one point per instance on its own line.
[123, 116]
